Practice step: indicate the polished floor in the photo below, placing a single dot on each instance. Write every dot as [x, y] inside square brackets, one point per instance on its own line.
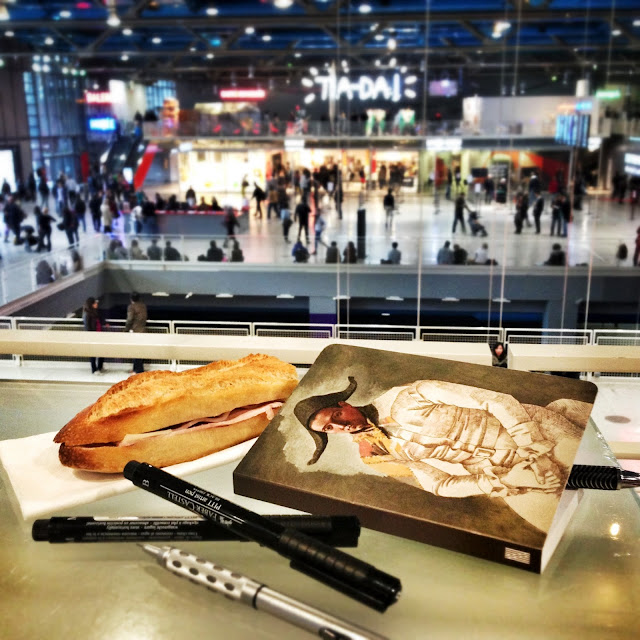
[593, 237]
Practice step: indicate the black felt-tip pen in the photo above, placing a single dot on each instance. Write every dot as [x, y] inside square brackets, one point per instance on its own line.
[338, 531]
[347, 574]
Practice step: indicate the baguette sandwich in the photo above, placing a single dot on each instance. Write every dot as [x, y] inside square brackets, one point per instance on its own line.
[164, 418]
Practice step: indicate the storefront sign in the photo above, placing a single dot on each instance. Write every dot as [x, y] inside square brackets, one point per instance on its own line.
[242, 94]
[608, 94]
[293, 144]
[98, 97]
[363, 88]
[103, 124]
[632, 164]
[594, 143]
[444, 144]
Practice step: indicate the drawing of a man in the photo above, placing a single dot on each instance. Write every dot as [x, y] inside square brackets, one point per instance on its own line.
[455, 440]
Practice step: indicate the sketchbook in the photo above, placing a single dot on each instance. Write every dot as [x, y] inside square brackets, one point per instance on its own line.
[466, 457]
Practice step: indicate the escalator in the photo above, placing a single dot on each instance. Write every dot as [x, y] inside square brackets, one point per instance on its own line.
[125, 153]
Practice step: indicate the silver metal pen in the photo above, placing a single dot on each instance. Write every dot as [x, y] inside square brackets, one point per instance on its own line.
[248, 591]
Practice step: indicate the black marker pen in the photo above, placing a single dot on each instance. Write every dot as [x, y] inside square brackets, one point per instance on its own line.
[334, 568]
[338, 531]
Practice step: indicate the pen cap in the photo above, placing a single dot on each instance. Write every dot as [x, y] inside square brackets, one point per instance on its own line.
[343, 572]
[40, 530]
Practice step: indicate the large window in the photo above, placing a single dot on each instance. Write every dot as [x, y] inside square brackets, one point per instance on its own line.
[157, 92]
[55, 114]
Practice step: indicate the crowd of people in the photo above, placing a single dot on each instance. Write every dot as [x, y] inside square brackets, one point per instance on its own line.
[302, 197]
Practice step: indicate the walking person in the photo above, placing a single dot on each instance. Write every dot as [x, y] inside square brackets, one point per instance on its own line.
[94, 207]
[43, 190]
[93, 322]
[285, 215]
[556, 214]
[389, 204]
[259, 196]
[636, 253]
[319, 228]
[302, 216]
[80, 208]
[565, 208]
[538, 208]
[136, 323]
[458, 213]
[44, 220]
[273, 202]
[70, 225]
[230, 223]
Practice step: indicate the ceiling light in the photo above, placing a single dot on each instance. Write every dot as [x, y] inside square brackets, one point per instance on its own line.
[1, 62]
[250, 30]
[285, 296]
[124, 57]
[313, 71]
[46, 68]
[113, 20]
[393, 62]
[391, 43]
[364, 8]
[616, 32]
[9, 34]
[36, 67]
[379, 37]
[636, 23]
[377, 63]
[4, 13]
[127, 32]
[410, 93]
[224, 295]
[297, 54]
[266, 38]
[48, 40]
[394, 298]
[306, 82]
[65, 13]
[156, 40]
[403, 69]
[309, 98]
[212, 11]
[209, 56]
[282, 4]
[46, 58]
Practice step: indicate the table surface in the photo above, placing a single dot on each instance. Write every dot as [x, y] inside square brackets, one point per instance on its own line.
[591, 588]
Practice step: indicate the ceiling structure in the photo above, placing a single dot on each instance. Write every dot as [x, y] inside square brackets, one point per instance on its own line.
[258, 40]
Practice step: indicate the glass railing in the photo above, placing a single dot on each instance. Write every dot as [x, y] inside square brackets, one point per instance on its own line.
[194, 124]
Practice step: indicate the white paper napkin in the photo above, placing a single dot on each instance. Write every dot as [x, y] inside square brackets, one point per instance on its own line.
[42, 485]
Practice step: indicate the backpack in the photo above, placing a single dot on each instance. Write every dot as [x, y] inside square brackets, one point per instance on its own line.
[622, 252]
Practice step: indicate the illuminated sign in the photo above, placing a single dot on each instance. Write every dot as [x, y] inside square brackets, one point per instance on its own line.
[594, 143]
[102, 124]
[293, 144]
[608, 94]
[444, 144]
[98, 97]
[585, 105]
[364, 88]
[243, 94]
[632, 164]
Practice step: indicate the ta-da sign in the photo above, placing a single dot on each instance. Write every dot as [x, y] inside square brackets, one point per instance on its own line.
[364, 88]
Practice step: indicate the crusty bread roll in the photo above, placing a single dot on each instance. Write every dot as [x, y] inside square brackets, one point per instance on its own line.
[155, 400]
